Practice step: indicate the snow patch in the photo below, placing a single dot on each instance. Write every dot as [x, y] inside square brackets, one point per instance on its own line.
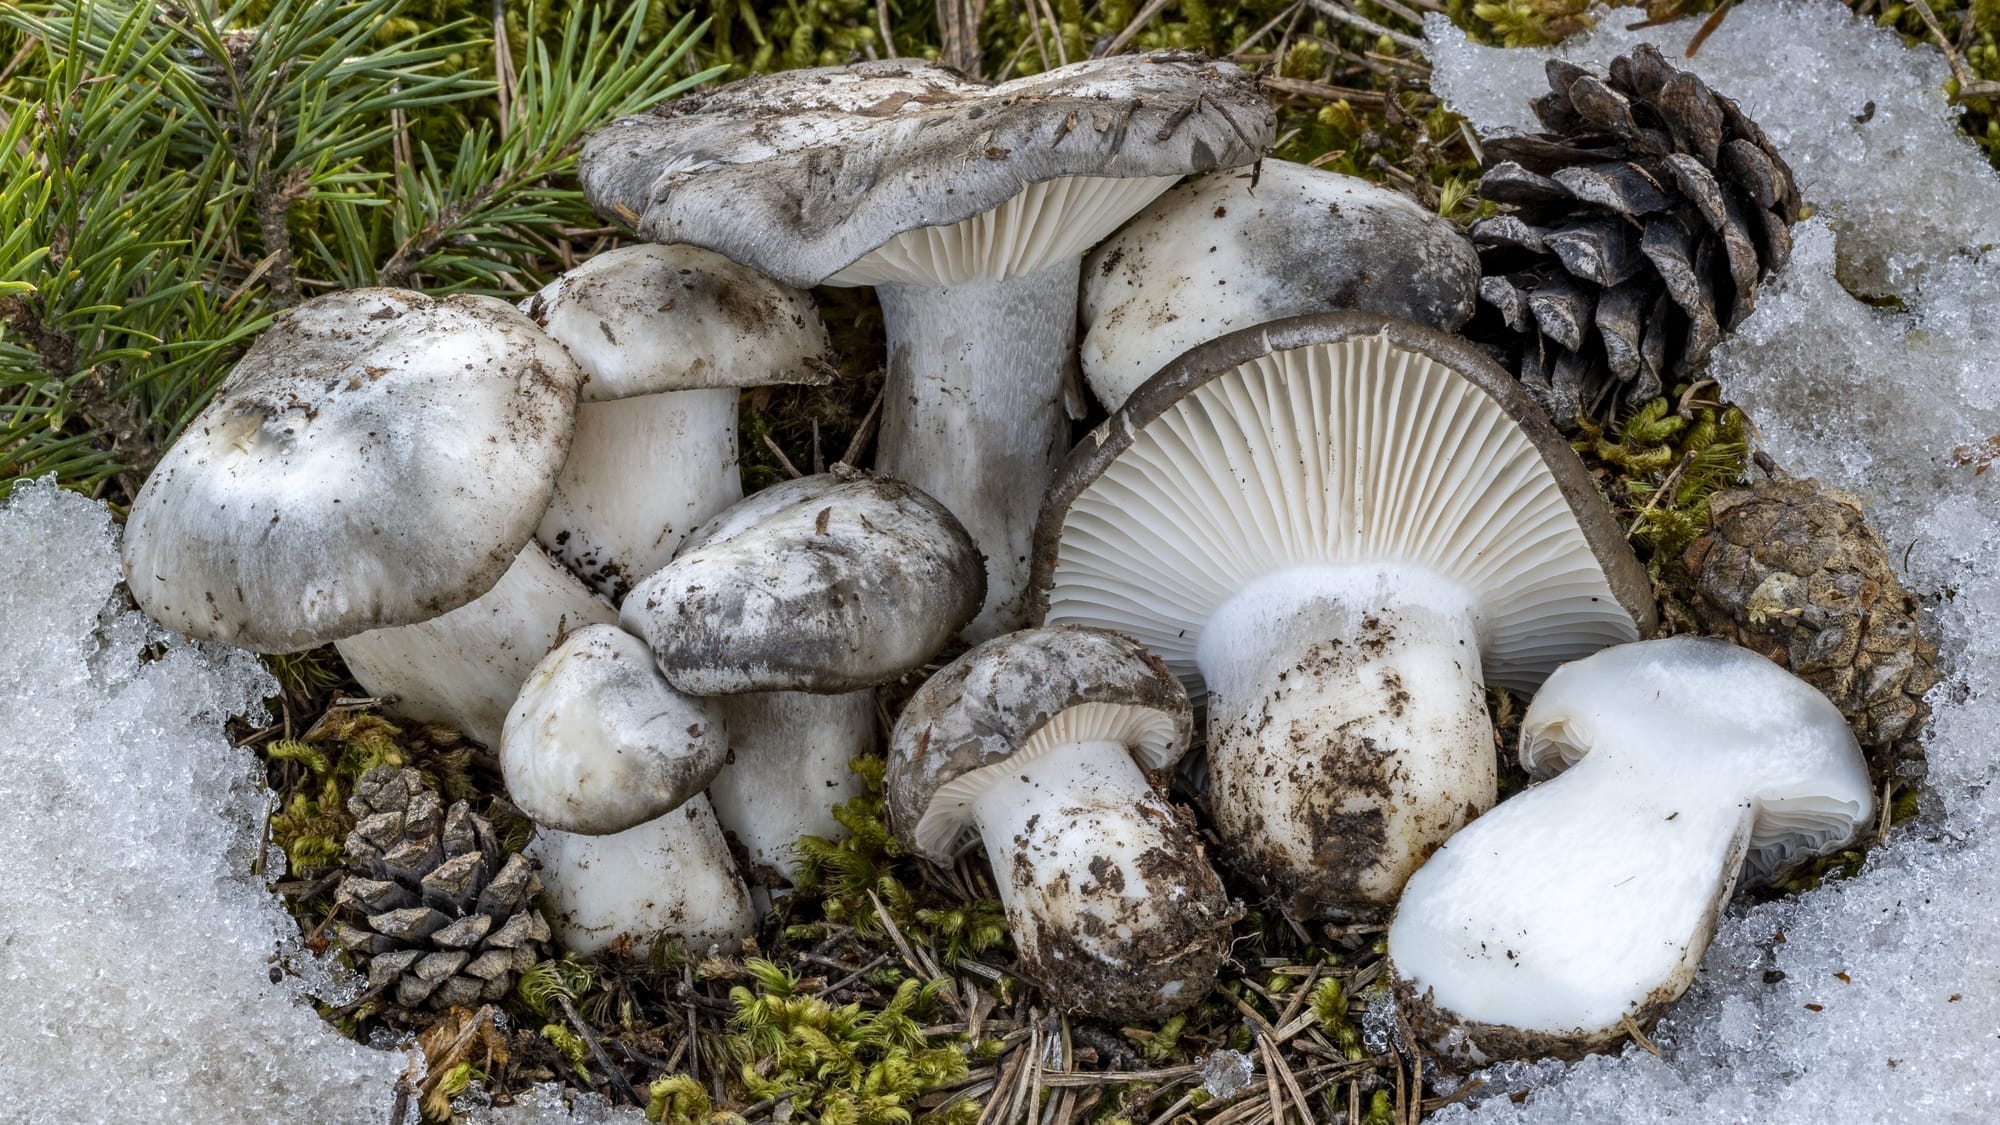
[146, 973]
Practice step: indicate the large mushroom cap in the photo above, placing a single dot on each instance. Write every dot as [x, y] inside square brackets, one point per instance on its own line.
[800, 174]
[648, 318]
[846, 589]
[1251, 245]
[377, 458]
[598, 742]
[1332, 439]
[982, 709]
[1724, 713]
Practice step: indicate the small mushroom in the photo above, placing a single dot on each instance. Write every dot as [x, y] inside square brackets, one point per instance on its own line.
[1579, 910]
[609, 761]
[1343, 526]
[828, 585]
[599, 742]
[371, 473]
[667, 335]
[1037, 743]
[1246, 246]
[969, 207]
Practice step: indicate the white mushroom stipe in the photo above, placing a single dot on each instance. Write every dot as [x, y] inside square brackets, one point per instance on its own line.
[1347, 728]
[788, 756]
[466, 668]
[972, 410]
[599, 742]
[642, 473]
[668, 335]
[670, 877]
[1582, 907]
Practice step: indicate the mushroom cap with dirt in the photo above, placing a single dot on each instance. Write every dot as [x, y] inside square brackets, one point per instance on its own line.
[1249, 245]
[968, 206]
[1038, 743]
[790, 607]
[667, 336]
[1579, 909]
[1342, 527]
[599, 742]
[371, 474]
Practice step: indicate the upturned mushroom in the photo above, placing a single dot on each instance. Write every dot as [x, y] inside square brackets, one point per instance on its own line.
[371, 473]
[1037, 743]
[667, 335]
[1250, 245]
[610, 761]
[792, 606]
[968, 207]
[1343, 527]
[1579, 910]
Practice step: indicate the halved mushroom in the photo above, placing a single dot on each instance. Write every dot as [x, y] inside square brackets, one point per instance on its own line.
[1247, 246]
[967, 206]
[1579, 909]
[1343, 527]
[609, 761]
[1037, 743]
[828, 585]
[667, 335]
[371, 474]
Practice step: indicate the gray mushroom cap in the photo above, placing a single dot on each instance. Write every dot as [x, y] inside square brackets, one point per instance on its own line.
[377, 458]
[801, 173]
[1246, 246]
[982, 707]
[844, 590]
[729, 325]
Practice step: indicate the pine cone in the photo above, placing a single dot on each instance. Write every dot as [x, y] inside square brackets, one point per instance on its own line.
[1644, 220]
[1795, 572]
[428, 907]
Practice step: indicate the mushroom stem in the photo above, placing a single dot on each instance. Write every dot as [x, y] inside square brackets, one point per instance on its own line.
[788, 768]
[1097, 890]
[973, 410]
[1347, 728]
[671, 875]
[466, 668]
[642, 473]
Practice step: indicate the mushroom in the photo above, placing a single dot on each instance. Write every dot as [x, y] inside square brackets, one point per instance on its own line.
[826, 585]
[371, 473]
[967, 206]
[1250, 245]
[1579, 910]
[609, 761]
[1037, 743]
[1343, 527]
[667, 336]
[599, 742]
